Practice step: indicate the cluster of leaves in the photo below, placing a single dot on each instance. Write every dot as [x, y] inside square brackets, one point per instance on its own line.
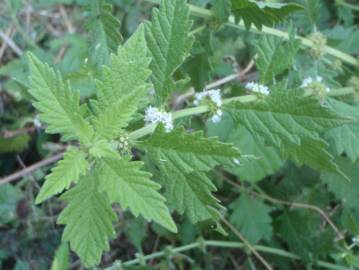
[292, 145]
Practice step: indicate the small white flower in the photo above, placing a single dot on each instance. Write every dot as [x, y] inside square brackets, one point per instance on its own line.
[309, 81]
[236, 161]
[154, 116]
[216, 119]
[37, 122]
[259, 88]
[214, 95]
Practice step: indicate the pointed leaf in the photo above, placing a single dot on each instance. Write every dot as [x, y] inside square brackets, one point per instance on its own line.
[132, 188]
[127, 72]
[182, 159]
[67, 171]
[88, 218]
[59, 106]
[169, 43]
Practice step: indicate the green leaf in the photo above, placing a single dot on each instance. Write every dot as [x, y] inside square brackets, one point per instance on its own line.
[291, 123]
[109, 123]
[252, 217]
[345, 139]
[132, 188]
[266, 159]
[222, 10]
[182, 159]
[169, 42]
[58, 104]
[347, 192]
[127, 72]
[68, 170]
[14, 144]
[104, 31]
[61, 260]
[9, 197]
[103, 149]
[88, 218]
[260, 13]
[274, 56]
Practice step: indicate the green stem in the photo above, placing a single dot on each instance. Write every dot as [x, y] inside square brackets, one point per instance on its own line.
[207, 14]
[223, 244]
[348, 5]
[139, 133]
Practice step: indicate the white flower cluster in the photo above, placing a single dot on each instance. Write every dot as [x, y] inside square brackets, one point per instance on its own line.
[307, 82]
[154, 115]
[215, 96]
[256, 87]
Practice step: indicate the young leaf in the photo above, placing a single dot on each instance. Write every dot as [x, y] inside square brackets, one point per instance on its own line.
[274, 56]
[182, 159]
[109, 122]
[68, 170]
[251, 217]
[260, 13]
[104, 31]
[59, 106]
[88, 218]
[345, 139]
[127, 72]
[132, 188]
[169, 43]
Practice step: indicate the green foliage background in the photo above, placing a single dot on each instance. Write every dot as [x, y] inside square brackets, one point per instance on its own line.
[278, 175]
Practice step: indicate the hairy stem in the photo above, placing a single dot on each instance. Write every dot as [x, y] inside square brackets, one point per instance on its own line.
[139, 133]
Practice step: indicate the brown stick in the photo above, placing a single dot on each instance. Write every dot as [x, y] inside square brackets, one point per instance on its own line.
[32, 168]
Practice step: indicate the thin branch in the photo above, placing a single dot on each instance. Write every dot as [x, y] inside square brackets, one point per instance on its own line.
[222, 244]
[11, 43]
[263, 195]
[29, 170]
[247, 244]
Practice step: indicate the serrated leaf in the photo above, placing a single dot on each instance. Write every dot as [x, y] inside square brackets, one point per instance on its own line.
[260, 13]
[345, 139]
[127, 184]
[347, 192]
[104, 31]
[67, 171]
[222, 10]
[291, 123]
[88, 218]
[169, 43]
[274, 56]
[61, 260]
[183, 159]
[251, 217]
[127, 72]
[265, 161]
[109, 123]
[58, 104]
[103, 149]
